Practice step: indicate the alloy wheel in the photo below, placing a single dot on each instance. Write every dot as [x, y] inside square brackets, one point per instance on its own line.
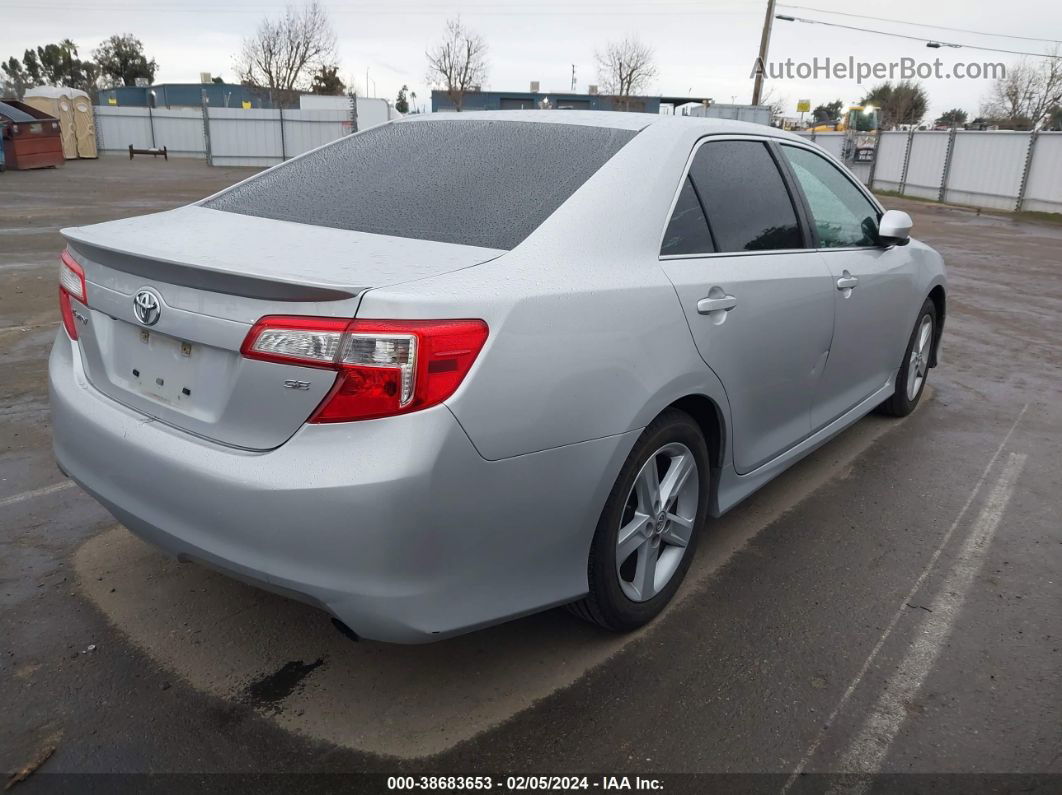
[918, 365]
[657, 521]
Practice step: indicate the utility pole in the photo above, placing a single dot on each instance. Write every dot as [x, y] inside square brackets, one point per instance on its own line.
[761, 61]
[573, 78]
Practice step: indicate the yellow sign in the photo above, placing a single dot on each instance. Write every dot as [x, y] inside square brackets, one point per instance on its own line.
[803, 106]
[112, 100]
[246, 104]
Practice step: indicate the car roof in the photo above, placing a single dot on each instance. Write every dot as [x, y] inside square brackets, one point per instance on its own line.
[680, 125]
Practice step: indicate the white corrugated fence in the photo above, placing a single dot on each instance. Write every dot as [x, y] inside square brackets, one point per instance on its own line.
[1001, 170]
[231, 136]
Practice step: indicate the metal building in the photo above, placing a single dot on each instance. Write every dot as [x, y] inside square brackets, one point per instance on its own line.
[528, 100]
[187, 95]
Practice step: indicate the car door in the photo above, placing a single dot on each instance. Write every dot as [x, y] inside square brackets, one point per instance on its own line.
[758, 299]
[871, 284]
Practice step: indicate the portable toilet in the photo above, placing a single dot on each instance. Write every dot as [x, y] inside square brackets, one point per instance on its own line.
[57, 103]
[84, 124]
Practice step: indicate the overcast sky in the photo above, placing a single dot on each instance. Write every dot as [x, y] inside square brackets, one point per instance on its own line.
[704, 48]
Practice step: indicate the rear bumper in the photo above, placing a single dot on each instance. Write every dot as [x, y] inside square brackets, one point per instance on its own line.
[397, 527]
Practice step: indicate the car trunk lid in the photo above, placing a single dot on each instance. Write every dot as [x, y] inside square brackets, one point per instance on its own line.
[203, 278]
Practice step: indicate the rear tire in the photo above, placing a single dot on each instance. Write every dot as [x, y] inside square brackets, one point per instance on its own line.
[914, 371]
[646, 538]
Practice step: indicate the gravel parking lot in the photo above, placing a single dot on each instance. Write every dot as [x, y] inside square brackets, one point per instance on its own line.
[891, 603]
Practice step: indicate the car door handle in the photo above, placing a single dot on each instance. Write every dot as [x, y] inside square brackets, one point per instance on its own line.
[847, 281]
[725, 304]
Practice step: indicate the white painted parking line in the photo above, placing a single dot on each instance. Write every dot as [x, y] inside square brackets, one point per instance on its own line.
[868, 748]
[29, 495]
[901, 610]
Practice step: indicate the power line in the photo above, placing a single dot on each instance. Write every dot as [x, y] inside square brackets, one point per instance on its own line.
[667, 7]
[933, 42]
[921, 24]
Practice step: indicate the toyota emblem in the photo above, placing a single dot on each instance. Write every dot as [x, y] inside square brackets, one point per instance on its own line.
[147, 307]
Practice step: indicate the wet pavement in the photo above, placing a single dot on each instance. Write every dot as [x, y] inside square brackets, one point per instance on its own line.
[891, 603]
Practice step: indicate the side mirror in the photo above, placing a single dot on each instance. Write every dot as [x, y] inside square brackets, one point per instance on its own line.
[894, 229]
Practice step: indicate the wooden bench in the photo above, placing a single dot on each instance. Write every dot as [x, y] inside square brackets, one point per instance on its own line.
[152, 152]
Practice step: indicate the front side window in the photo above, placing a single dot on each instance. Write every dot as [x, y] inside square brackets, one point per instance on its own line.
[745, 198]
[843, 216]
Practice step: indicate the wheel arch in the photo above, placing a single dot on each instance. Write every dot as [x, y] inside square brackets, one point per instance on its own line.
[939, 299]
[709, 416]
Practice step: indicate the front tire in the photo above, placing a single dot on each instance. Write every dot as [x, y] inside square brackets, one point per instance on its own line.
[648, 530]
[914, 372]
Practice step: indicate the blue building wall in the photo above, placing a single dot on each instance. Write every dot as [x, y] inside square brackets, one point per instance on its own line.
[219, 95]
[511, 100]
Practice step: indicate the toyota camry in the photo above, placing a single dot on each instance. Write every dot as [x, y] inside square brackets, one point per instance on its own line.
[456, 369]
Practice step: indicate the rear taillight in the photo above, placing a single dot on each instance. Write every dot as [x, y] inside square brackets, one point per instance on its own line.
[385, 367]
[71, 284]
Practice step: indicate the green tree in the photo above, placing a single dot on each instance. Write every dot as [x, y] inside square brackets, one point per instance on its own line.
[902, 103]
[1016, 122]
[1054, 118]
[402, 101]
[956, 117]
[60, 66]
[32, 65]
[16, 79]
[52, 64]
[121, 61]
[830, 112]
[326, 81]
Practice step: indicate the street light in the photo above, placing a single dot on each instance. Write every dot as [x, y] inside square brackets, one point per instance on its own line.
[152, 99]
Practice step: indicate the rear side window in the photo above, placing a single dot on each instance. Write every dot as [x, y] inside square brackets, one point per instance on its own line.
[843, 216]
[479, 183]
[687, 232]
[747, 202]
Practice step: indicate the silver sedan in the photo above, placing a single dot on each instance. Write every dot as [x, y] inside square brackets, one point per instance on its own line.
[453, 370]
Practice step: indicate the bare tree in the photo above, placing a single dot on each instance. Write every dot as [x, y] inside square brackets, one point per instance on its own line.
[284, 54]
[1025, 96]
[624, 69]
[458, 63]
[776, 104]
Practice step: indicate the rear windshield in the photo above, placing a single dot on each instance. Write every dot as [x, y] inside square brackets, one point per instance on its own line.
[480, 183]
